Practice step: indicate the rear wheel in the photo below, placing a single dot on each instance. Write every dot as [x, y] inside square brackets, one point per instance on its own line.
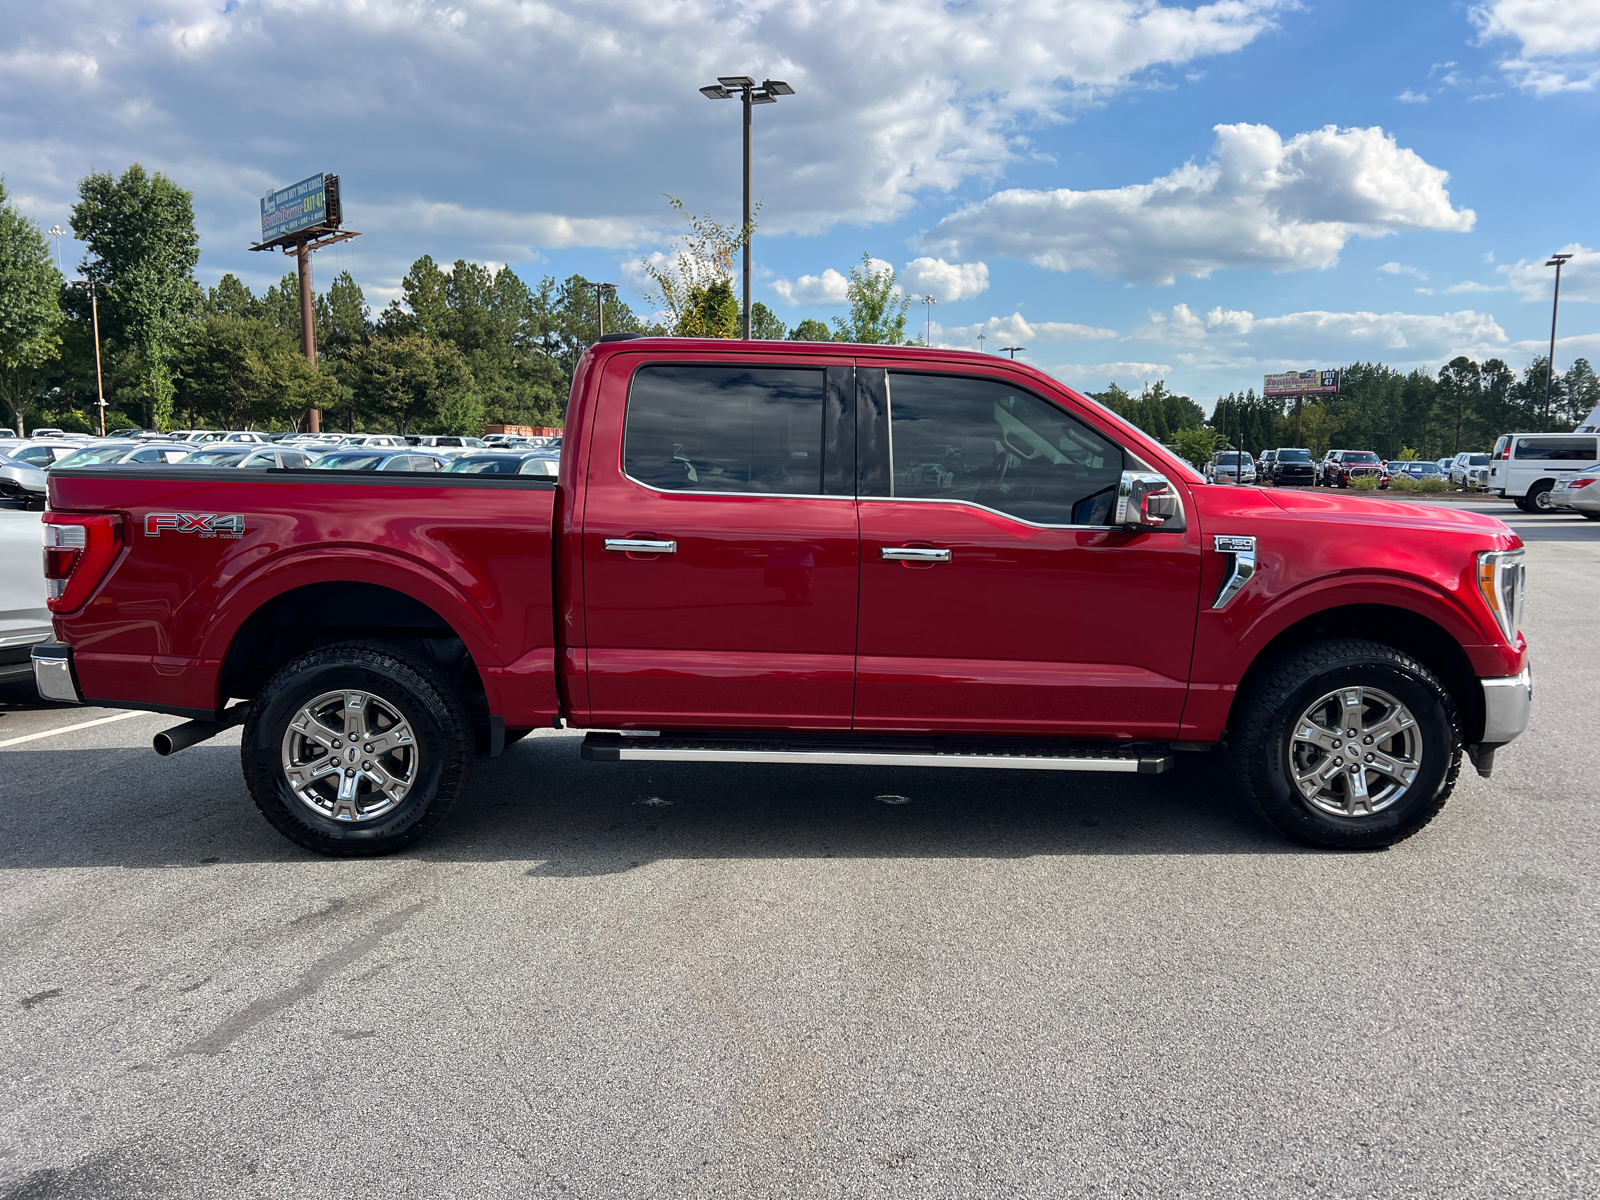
[1539, 497]
[356, 750]
[1591, 516]
[1346, 744]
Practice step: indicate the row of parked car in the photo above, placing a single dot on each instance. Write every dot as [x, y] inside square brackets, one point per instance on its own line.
[1290, 466]
[24, 462]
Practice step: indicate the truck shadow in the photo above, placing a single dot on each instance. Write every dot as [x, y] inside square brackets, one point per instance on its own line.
[542, 805]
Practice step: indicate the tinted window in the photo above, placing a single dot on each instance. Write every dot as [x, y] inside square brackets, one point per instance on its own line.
[99, 456]
[1359, 456]
[348, 462]
[499, 464]
[959, 438]
[1296, 456]
[1555, 448]
[726, 429]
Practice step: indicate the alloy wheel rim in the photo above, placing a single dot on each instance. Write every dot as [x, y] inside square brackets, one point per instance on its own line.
[349, 756]
[1355, 752]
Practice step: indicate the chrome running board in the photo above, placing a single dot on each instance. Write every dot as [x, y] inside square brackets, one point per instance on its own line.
[835, 751]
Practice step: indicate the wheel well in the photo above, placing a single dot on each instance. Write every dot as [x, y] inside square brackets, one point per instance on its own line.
[322, 614]
[1397, 627]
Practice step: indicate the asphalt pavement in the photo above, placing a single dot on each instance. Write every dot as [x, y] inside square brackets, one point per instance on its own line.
[637, 981]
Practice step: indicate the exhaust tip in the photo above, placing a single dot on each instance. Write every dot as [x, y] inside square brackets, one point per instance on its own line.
[162, 744]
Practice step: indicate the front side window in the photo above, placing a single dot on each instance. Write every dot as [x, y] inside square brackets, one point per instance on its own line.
[955, 437]
[726, 429]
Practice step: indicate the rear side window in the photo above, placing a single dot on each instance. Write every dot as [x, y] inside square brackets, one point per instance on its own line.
[955, 437]
[1556, 448]
[726, 429]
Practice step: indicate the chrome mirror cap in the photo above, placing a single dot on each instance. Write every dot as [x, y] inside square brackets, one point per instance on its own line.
[1145, 500]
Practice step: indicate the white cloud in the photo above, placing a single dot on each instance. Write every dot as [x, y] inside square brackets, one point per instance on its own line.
[1472, 285]
[584, 111]
[1241, 337]
[1580, 278]
[1394, 268]
[945, 281]
[1410, 97]
[1014, 330]
[827, 288]
[1095, 376]
[1560, 40]
[1259, 201]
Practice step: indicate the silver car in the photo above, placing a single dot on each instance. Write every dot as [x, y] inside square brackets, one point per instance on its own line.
[380, 459]
[1231, 466]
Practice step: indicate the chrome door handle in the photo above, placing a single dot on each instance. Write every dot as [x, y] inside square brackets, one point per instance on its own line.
[640, 546]
[913, 554]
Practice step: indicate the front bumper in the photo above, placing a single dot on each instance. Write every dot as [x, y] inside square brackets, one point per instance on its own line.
[1507, 702]
[52, 672]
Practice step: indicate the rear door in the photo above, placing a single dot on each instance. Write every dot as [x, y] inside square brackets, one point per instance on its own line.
[996, 598]
[720, 544]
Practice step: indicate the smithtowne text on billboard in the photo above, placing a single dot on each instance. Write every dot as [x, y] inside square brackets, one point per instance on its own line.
[311, 203]
[1302, 383]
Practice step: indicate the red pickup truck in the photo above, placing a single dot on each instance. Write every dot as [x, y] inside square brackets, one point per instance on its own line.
[795, 553]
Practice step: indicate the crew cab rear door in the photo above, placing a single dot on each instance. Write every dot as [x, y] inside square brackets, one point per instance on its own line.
[996, 598]
[720, 543]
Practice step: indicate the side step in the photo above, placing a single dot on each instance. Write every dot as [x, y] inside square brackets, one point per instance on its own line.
[834, 751]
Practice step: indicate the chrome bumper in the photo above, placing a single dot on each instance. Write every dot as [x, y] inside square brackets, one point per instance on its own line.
[1506, 704]
[52, 672]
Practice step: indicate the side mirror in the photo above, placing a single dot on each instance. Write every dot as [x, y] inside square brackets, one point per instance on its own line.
[1145, 500]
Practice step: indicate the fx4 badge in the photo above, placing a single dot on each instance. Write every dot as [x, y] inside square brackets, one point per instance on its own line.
[207, 525]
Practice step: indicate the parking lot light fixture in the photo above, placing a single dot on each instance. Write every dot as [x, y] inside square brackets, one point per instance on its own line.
[1556, 260]
[1012, 350]
[601, 290]
[751, 94]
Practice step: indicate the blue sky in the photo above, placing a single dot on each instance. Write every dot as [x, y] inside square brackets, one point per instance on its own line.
[1201, 192]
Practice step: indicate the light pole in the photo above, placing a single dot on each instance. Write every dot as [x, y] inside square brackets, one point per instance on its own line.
[1012, 350]
[1550, 367]
[927, 305]
[601, 290]
[766, 93]
[58, 233]
[981, 336]
[99, 382]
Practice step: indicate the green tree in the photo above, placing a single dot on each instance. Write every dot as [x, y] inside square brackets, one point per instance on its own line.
[343, 319]
[280, 305]
[1580, 392]
[1197, 445]
[811, 330]
[142, 244]
[30, 309]
[410, 379]
[1460, 389]
[712, 312]
[764, 324]
[877, 308]
[690, 281]
[230, 298]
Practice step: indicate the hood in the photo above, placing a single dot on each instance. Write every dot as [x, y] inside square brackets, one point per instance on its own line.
[1400, 513]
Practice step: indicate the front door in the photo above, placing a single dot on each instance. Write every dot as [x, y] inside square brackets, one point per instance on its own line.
[996, 598]
[720, 547]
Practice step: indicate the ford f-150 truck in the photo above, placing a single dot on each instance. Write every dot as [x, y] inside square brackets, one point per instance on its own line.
[795, 553]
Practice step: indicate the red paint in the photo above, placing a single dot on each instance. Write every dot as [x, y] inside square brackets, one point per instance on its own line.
[775, 612]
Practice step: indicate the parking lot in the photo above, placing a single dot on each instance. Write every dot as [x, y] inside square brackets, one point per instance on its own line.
[631, 980]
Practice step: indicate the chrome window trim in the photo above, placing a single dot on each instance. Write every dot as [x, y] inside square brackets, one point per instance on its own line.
[764, 495]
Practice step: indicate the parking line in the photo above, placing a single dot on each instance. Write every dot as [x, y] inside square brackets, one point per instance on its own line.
[33, 737]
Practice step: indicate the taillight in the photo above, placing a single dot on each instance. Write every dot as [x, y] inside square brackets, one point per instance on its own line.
[1575, 484]
[78, 551]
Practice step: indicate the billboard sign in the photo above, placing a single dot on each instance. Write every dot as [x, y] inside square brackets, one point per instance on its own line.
[1302, 383]
[305, 205]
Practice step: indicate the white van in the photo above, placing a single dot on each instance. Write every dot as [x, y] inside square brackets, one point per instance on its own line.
[1525, 466]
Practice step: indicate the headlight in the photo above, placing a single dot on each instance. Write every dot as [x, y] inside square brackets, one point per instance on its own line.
[1503, 580]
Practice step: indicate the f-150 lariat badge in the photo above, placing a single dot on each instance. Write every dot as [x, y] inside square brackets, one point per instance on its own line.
[207, 525]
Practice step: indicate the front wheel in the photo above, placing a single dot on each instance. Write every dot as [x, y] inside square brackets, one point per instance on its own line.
[1346, 744]
[356, 750]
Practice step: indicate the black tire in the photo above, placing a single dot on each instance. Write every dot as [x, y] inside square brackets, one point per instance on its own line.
[1261, 740]
[1522, 503]
[1588, 516]
[1539, 497]
[441, 749]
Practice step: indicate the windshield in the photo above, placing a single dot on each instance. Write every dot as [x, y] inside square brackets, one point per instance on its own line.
[1360, 456]
[347, 462]
[1477, 460]
[1294, 456]
[1230, 458]
[95, 456]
